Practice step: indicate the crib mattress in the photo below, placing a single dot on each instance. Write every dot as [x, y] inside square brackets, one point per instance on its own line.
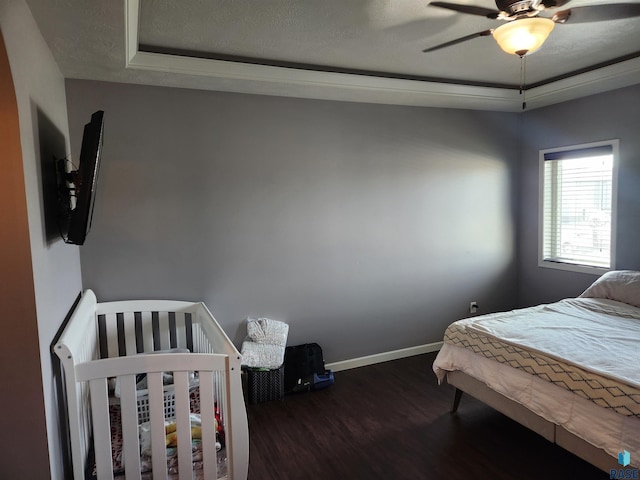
[611, 382]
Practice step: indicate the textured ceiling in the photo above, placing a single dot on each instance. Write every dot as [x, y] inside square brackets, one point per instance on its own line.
[368, 39]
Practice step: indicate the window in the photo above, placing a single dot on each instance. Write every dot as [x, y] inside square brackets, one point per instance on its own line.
[578, 207]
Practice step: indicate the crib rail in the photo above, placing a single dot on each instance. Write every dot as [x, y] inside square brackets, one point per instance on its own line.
[131, 327]
[103, 340]
[97, 373]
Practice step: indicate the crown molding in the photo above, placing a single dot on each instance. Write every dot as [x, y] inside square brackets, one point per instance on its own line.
[611, 77]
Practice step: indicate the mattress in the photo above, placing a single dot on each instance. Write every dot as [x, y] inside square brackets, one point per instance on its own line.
[592, 392]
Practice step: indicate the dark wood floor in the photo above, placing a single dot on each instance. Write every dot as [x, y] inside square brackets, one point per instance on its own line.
[391, 421]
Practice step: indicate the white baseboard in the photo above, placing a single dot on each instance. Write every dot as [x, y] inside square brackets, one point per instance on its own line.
[383, 357]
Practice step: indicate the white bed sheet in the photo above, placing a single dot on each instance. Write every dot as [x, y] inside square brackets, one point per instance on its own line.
[598, 426]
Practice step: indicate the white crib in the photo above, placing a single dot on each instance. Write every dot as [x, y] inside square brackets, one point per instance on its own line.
[105, 341]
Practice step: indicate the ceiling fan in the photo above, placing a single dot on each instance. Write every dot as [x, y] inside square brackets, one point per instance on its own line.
[527, 23]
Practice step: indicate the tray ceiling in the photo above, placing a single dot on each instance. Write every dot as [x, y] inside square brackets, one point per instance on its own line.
[356, 50]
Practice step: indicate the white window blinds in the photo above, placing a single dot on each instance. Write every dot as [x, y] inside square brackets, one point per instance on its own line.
[578, 193]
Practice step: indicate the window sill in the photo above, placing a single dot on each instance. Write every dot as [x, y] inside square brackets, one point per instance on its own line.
[572, 267]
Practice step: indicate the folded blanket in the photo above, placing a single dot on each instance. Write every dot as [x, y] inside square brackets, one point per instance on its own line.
[265, 330]
[261, 355]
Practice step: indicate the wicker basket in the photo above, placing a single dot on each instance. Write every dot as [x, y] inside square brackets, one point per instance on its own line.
[265, 385]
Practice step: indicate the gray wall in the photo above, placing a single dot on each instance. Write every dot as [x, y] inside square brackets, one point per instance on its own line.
[54, 272]
[615, 114]
[367, 228]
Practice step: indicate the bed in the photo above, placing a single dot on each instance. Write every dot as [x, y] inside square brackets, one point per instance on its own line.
[153, 390]
[569, 370]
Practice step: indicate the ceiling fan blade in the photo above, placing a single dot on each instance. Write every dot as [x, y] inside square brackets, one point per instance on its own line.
[483, 12]
[554, 3]
[484, 33]
[598, 13]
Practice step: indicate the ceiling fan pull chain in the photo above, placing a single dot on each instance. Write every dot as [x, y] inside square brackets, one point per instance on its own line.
[523, 80]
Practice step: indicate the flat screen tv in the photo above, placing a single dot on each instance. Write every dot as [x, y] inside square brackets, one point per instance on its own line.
[77, 188]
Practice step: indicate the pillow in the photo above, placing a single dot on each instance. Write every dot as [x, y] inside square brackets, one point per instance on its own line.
[621, 286]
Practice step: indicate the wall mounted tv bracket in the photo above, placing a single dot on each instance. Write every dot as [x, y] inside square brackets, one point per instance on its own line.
[68, 184]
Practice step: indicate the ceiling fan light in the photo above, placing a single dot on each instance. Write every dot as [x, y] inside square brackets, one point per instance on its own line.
[524, 35]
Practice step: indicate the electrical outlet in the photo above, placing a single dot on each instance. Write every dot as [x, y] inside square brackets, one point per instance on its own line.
[473, 307]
